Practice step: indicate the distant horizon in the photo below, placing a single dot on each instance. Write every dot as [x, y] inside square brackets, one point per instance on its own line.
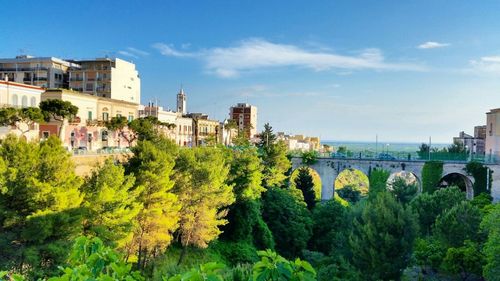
[385, 142]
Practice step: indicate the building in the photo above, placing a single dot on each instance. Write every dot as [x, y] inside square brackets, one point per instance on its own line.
[300, 142]
[45, 72]
[108, 78]
[474, 144]
[87, 130]
[181, 133]
[492, 145]
[204, 129]
[17, 95]
[226, 133]
[245, 116]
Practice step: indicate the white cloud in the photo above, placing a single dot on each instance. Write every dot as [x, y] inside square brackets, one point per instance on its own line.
[254, 54]
[432, 45]
[489, 64]
[133, 53]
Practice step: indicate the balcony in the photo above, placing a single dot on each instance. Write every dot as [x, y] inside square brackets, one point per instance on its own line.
[98, 123]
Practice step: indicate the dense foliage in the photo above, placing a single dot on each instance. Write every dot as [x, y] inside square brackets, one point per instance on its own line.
[218, 213]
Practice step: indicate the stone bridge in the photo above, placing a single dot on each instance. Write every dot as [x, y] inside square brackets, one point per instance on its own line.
[329, 169]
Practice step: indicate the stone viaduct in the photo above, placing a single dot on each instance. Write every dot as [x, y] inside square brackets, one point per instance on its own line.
[328, 170]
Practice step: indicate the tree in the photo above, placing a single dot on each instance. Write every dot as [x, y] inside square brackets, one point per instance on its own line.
[58, 110]
[274, 267]
[480, 174]
[119, 124]
[28, 116]
[349, 193]
[403, 190]
[245, 174]
[464, 260]
[309, 157]
[458, 224]
[304, 182]
[111, 204]
[39, 206]
[267, 137]
[429, 206]
[378, 181]
[423, 151]
[152, 165]
[382, 238]
[457, 148]
[428, 253]
[289, 221]
[200, 183]
[432, 173]
[491, 249]
[331, 227]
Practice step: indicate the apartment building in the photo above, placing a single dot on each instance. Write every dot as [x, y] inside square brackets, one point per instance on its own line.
[45, 72]
[87, 130]
[108, 78]
[14, 94]
[245, 116]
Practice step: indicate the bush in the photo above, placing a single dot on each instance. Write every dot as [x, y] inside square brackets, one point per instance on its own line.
[431, 175]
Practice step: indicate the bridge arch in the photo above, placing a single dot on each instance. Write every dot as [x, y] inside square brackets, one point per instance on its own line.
[410, 177]
[354, 177]
[461, 180]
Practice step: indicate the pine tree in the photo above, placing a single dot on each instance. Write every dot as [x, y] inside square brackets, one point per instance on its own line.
[152, 166]
[111, 204]
[39, 206]
[200, 183]
[382, 238]
[304, 182]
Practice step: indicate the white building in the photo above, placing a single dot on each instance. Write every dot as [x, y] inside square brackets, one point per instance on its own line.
[492, 145]
[109, 78]
[20, 95]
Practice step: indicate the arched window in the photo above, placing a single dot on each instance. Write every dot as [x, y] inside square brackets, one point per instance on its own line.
[24, 101]
[105, 114]
[14, 100]
[33, 102]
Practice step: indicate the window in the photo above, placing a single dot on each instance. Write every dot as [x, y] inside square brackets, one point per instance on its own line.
[14, 100]
[491, 129]
[130, 118]
[24, 101]
[105, 116]
[89, 87]
[45, 135]
[89, 116]
[104, 136]
[33, 102]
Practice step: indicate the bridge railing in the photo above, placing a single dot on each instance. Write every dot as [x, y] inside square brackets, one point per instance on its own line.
[408, 156]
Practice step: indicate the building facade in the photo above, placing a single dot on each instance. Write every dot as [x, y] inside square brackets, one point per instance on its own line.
[245, 115]
[492, 146]
[20, 95]
[45, 72]
[87, 130]
[300, 142]
[205, 130]
[108, 78]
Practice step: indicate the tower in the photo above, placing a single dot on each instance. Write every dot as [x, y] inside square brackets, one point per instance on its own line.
[181, 102]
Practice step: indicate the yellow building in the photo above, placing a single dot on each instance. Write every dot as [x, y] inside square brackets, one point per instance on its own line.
[205, 129]
[87, 130]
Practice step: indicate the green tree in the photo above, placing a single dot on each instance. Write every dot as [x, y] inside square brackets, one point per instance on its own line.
[432, 173]
[429, 253]
[273, 267]
[331, 228]
[120, 124]
[304, 182]
[403, 190]
[464, 260]
[480, 174]
[200, 183]
[378, 181]
[245, 173]
[39, 205]
[349, 193]
[111, 204]
[309, 157]
[27, 116]
[458, 224]
[152, 165]
[429, 206]
[382, 238]
[423, 151]
[491, 249]
[58, 110]
[289, 221]
[274, 158]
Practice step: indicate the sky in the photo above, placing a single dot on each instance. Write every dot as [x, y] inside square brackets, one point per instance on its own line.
[340, 70]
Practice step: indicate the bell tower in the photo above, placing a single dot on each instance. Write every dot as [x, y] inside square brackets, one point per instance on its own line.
[181, 102]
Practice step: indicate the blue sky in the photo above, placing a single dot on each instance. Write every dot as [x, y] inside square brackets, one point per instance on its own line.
[342, 70]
